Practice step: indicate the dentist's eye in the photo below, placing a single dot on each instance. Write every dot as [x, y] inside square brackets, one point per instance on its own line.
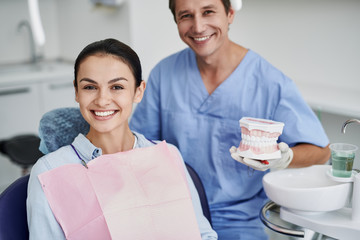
[117, 87]
[207, 12]
[185, 16]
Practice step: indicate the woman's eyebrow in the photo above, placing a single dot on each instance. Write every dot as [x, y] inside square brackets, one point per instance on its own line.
[117, 79]
[111, 81]
[87, 80]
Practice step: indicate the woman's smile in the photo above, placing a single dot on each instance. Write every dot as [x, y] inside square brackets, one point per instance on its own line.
[103, 114]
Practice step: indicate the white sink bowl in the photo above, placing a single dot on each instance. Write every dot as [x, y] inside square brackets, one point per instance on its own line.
[306, 189]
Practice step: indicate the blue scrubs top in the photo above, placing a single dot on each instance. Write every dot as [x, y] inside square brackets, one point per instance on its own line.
[177, 108]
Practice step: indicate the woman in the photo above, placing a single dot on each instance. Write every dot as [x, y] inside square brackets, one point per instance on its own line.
[107, 83]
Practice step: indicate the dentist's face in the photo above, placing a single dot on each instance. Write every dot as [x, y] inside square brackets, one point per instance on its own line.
[106, 92]
[203, 25]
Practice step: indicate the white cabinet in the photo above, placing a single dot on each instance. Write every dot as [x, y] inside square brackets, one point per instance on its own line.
[20, 110]
[57, 94]
[26, 96]
[20, 113]
[26, 93]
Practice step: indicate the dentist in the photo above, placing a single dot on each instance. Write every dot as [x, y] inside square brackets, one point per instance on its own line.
[195, 98]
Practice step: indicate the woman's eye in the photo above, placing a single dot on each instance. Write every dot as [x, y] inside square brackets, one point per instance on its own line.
[89, 87]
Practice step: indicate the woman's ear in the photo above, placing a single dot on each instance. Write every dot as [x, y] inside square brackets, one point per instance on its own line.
[139, 92]
[76, 92]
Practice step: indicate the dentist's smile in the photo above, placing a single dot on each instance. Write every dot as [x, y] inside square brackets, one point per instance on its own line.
[201, 39]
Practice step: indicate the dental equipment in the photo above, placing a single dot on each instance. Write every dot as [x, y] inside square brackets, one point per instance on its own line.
[347, 122]
[35, 22]
[36, 31]
[236, 4]
[34, 56]
[341, 223]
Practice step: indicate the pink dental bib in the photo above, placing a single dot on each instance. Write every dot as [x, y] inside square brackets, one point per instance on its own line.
[138, 194]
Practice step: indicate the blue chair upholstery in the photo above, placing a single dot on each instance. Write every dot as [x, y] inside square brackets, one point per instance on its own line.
[59, 127]
[13, 218]
[201, 191]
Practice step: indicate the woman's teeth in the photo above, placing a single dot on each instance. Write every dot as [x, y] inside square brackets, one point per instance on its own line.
[104, 114]
[201, 38]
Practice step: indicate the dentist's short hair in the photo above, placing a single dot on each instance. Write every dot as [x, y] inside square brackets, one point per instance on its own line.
[226, 3]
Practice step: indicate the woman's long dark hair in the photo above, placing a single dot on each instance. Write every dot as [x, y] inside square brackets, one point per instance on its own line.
[115, 48]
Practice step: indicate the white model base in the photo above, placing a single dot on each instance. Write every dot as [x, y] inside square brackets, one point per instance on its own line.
[265, 156]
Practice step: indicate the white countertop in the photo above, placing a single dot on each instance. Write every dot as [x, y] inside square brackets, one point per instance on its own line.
[11, 75]
[331, 99]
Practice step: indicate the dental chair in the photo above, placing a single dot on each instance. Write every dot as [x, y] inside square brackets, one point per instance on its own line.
[22, 150]
[13, 221]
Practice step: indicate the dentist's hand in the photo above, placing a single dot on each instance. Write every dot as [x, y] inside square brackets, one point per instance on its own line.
[263, 165]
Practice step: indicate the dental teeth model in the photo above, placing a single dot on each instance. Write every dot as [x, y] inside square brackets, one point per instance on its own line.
[259, 138]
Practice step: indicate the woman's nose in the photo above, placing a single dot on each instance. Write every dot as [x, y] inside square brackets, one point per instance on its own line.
[103, 98]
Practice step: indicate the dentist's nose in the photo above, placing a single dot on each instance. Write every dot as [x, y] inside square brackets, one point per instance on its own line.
[199, 24]
[103, 98]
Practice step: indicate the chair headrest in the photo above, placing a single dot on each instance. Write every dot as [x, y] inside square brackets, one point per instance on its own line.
[59, 127]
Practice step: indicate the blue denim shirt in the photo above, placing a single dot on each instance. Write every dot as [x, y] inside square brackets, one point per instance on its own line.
[41, 221]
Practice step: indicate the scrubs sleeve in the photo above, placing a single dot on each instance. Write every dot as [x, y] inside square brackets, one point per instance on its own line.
[207, 233]
[146, 117]
[301, 123]
[41, 221]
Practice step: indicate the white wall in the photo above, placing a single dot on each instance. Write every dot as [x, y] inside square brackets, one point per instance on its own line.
[153, 32]
[14, 44]
[80, 23]
[313, 41]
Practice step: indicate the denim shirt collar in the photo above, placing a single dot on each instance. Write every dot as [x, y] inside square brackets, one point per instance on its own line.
[85, 148]
[88, 151]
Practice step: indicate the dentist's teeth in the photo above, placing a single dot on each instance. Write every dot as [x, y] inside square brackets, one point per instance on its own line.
[202, 38]
[104, 114]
